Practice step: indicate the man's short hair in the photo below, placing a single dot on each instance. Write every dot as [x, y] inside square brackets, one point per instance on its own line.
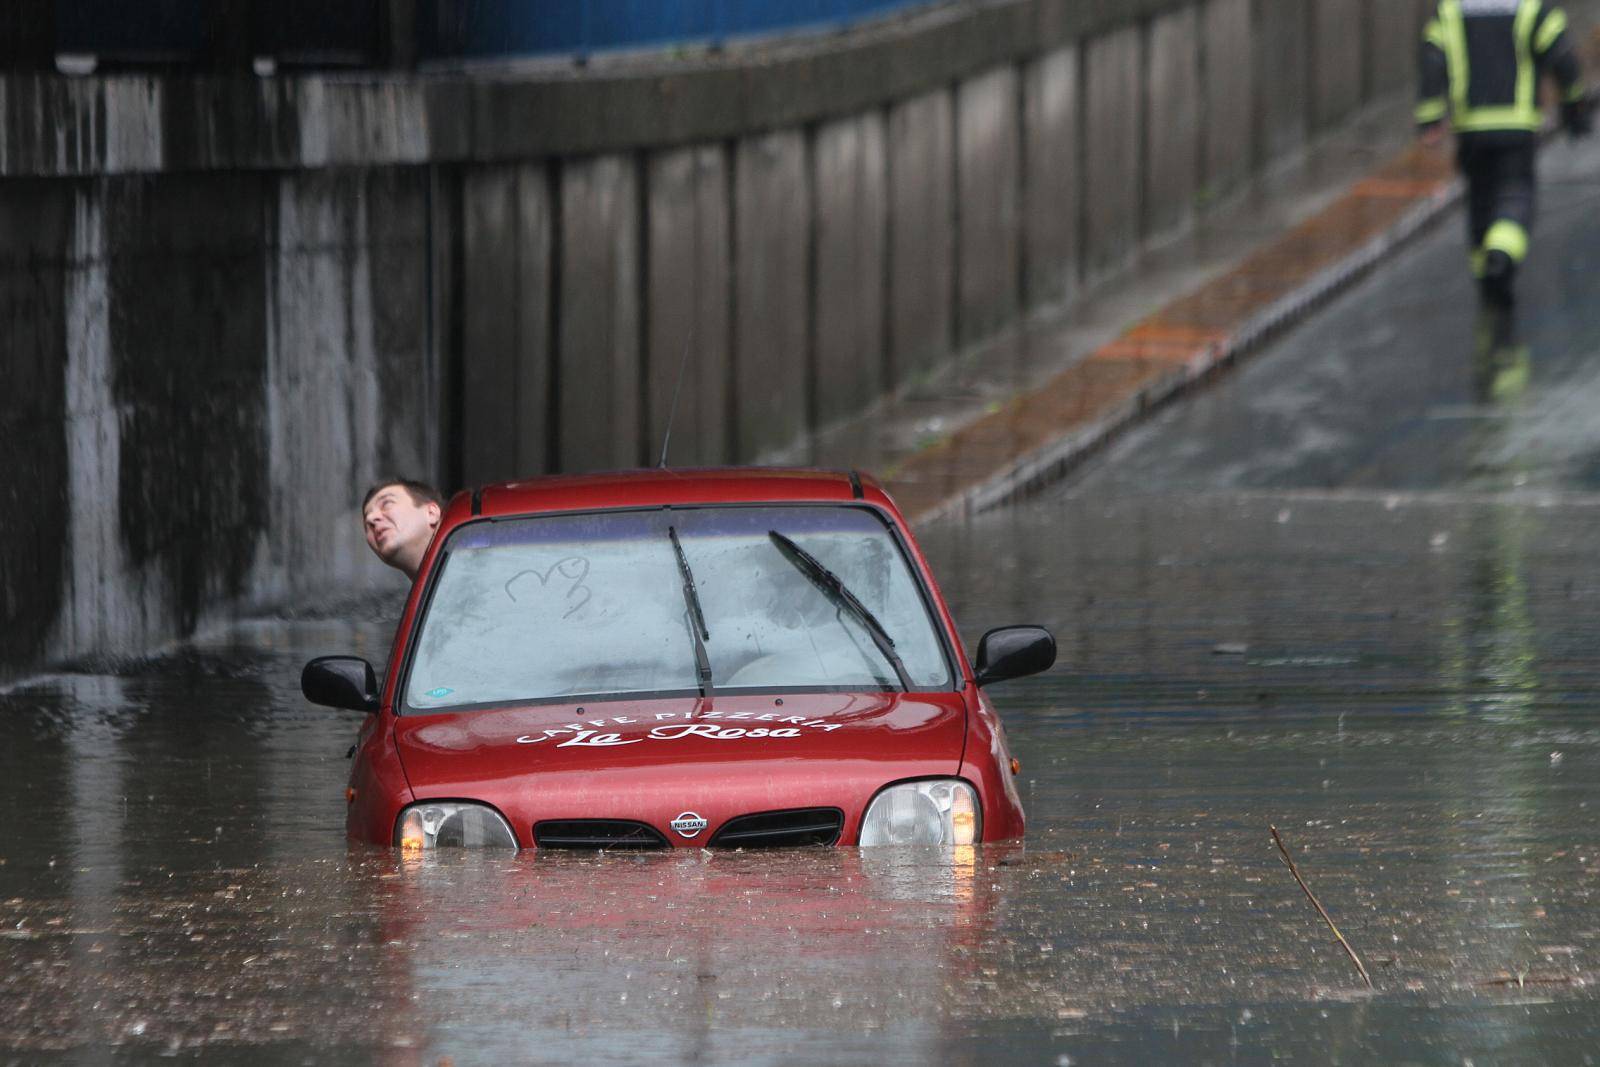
[421, 492]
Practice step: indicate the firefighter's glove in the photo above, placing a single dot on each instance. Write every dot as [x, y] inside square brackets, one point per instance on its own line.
[1577, 117]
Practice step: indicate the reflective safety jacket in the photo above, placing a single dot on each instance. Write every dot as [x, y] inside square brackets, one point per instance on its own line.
[1482, 61]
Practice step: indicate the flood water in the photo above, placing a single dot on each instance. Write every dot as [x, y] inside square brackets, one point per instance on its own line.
[1405, 688]
[1358, 605]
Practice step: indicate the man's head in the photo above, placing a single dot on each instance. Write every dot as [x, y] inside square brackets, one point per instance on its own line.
[399, 516]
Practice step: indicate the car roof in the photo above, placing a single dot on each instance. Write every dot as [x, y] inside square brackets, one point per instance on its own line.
[658, 487]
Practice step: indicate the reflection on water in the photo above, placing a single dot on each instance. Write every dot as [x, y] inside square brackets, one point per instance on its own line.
[1406, 688]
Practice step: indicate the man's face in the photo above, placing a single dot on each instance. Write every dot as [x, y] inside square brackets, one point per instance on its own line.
[398, 529]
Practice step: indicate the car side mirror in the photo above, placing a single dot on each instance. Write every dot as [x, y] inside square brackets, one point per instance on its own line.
[1013, 652]
[340, 682]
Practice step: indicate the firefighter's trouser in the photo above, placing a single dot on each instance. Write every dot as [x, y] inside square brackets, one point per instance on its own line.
[1500, 203]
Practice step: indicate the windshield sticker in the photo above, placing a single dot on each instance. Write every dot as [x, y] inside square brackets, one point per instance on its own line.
[590, 733]
[442, 691]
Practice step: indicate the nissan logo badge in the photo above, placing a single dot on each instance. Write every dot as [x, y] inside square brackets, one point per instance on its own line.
[688, 824]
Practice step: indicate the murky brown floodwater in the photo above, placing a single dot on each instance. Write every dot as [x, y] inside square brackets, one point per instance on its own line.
[1405, 688]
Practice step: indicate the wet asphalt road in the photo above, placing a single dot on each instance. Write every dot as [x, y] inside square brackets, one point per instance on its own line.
[1349, 590]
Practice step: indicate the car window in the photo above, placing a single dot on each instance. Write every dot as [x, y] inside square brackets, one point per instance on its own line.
[592, 605]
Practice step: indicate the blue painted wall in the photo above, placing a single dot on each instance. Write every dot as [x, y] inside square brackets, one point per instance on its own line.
[348, 32]
[448, 28]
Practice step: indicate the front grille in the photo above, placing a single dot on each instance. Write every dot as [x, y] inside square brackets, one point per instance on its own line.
[596, 833]
[781, 829]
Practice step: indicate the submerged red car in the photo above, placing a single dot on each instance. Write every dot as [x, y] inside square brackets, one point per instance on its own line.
[650, 659]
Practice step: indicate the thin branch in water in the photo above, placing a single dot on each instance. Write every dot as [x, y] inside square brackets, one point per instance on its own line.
[1361, 967]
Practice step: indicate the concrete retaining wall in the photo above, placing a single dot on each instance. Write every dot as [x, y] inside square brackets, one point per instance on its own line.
[1051, 177]
[921, 267]
[1171, 120]
[1113, 136]
[229, 304]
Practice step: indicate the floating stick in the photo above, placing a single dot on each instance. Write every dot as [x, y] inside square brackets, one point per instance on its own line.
[1365, 977]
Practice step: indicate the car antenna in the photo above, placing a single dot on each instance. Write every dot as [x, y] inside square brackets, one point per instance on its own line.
[672, 412]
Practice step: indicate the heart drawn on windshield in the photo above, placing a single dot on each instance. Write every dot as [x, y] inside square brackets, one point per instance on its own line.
[575, 569]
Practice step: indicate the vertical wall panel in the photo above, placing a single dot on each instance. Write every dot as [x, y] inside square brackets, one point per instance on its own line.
[849, 167]
[1391, 44]
[532, 359]
[1338, 37]
[1051, 184]
[690, 288]
[323, 394]
[396, 222]
[187, 284]
[598, 390]
[36, 263]
[921, 233]
[1282, 62]
[489, 325]
[1111, 179]
[773, 216]
[1227, 93]
[1172, 121]
[988, 158]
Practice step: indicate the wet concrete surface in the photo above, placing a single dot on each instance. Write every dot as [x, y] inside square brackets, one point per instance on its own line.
[1338, 593]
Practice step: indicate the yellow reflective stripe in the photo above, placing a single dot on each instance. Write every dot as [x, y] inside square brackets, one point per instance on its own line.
[1554, 23]
[1497, 118]
[1576, 93]
[1432, 110]
[1433, 33]
[1455, 52]
[1508, 237]
[1477, 259]
[1511, 380]
[1522, 32]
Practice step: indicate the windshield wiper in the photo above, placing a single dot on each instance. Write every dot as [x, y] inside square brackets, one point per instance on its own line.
[697, 618]
[840, 594]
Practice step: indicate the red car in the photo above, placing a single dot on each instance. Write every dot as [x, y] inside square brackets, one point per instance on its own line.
[650, 659]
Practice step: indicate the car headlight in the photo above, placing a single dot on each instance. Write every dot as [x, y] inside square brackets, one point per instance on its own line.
[451, 824]
[939, 812]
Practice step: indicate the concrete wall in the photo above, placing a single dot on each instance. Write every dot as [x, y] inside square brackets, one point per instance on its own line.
[921, 267]
[1051, 178]
[201, 372]
[690, 275]
[771, 295]
[1171, 121]
[1280, 39]
[599, 418]
[1113, 138]
[988, 190]
[1227, 94]
[1337, 49]
[850, 180]
[227, 305]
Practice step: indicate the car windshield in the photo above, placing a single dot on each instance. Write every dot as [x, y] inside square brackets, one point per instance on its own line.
[595, 605]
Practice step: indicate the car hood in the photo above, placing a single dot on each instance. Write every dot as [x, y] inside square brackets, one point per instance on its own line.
[653, 760]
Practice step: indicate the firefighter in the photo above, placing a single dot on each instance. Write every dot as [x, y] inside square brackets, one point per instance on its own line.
[1482, 61]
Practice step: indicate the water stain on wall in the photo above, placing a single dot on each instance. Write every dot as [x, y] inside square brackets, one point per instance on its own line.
[188, 340]
[33, 439]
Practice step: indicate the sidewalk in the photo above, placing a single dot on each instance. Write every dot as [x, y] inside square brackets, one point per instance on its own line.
[1021, 411]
